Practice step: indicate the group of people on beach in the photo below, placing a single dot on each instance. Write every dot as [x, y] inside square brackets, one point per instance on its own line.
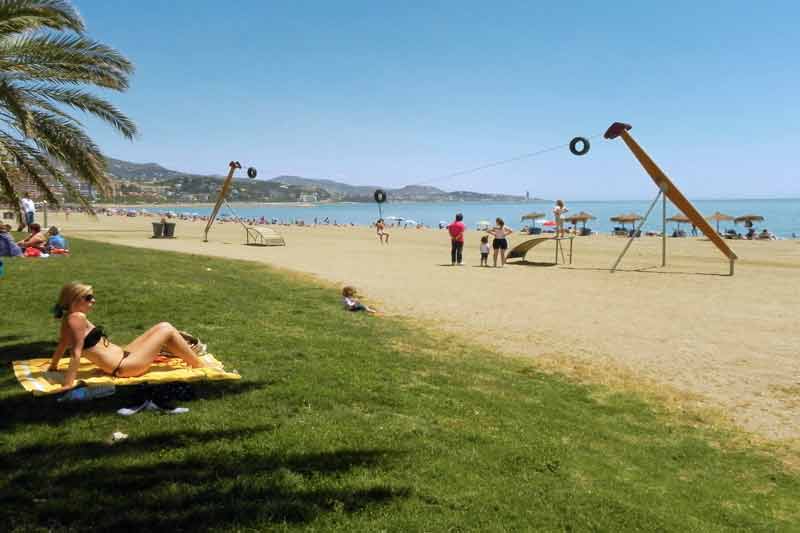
[36, 243]
[499, 234]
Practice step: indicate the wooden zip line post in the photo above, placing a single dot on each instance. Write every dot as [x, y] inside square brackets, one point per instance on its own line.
[223, 193]
[669, 190]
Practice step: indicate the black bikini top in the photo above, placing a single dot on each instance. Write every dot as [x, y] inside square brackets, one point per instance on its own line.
[94, 336]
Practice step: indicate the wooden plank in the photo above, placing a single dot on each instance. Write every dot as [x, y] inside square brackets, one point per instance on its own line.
[670, 190]
[523, 248]
[226, 185]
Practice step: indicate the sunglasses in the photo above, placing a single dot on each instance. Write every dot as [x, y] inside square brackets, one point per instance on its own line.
[89, 298]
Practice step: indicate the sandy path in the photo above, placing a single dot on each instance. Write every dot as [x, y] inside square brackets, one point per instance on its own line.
[731, 340]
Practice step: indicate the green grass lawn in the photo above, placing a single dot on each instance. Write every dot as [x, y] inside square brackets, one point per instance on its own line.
[343, 422]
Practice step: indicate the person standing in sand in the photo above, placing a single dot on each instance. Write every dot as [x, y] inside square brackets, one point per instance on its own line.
[456, 230]
[380, 228]
[500, 242]
[558, 216]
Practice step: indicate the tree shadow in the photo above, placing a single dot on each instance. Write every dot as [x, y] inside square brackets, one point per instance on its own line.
[180, 481]
[24, 408]
[28, 350]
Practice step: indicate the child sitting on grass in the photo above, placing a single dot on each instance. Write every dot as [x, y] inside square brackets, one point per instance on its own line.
[350, 302]
[485, 251]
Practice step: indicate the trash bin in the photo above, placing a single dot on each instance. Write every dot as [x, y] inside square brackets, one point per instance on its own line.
[158, 230]
[169, 229]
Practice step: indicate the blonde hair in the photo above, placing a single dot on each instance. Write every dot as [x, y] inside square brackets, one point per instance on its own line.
[70, 293]
[348, 291]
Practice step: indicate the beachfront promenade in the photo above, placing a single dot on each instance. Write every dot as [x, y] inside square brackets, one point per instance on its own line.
[687, 331]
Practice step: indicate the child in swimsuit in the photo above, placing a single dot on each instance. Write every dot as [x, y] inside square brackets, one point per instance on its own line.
[380, 227]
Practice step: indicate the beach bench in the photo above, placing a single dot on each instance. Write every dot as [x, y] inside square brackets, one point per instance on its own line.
[522, 249]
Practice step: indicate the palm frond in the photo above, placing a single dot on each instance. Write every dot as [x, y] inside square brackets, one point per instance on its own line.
[14, 101]
[35, 164]
[46, 63]
[88, 103]
[27, 15]
[67, 143]
[66, 58]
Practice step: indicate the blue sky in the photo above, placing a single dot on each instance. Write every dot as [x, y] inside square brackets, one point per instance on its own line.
[393, 93]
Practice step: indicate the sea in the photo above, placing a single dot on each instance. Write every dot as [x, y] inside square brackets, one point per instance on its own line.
[781, 216]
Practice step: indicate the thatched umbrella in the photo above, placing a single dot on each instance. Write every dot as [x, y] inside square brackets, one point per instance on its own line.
[580, 217]
[720, 217]
[748, 218]
[630, 218]
[748, 223]
[679, 219]
[533, 217]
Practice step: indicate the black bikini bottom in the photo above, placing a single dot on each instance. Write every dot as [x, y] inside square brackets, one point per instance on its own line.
[125, 354]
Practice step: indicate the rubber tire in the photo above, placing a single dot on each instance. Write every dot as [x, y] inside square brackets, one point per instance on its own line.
[380, 196]
[573, 146]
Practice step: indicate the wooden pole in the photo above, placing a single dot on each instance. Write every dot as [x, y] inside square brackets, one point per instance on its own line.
[226, 185]
[677, 198]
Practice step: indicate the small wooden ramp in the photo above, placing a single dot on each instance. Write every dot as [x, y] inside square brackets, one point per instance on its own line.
[263, 237]
[520, 250]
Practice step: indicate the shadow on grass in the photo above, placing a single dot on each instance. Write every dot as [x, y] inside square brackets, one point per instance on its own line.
[180, 481]
[24, 408]
[29, 350]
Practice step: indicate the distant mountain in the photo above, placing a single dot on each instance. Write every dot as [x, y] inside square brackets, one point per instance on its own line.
[294, 186]
[144, 171]
[418, 193]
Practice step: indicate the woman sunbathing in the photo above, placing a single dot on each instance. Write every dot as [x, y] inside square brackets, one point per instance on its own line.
[87, 340]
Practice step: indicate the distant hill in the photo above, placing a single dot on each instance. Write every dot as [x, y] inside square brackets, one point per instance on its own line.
[418, 193]
[293, 186]
[144, 171]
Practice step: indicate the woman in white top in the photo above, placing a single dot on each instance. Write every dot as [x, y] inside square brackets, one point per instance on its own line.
[500, 242]
[558, 213]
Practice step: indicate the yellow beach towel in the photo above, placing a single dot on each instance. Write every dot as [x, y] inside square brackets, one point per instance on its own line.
[34, 377]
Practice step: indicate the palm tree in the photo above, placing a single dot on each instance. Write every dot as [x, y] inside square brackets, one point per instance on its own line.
[46, 63]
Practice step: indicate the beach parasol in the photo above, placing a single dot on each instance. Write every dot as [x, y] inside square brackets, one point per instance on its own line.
[630, 218]
[720, 217]
[679, 219]
[748, 218]
[580, 217]
[533, 217]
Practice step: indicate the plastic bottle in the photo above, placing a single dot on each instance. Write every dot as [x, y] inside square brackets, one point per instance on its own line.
[79, 394]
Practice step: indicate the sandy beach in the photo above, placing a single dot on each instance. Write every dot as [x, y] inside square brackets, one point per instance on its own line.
[717, 341]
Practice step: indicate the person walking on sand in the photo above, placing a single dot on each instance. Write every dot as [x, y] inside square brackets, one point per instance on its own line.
[456, 230]
[500, 242]
[380, 228]
[558, 216]
[29, 209]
